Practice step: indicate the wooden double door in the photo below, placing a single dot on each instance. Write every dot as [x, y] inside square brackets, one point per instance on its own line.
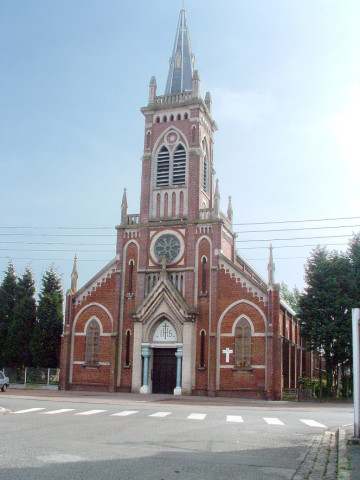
[164, 370]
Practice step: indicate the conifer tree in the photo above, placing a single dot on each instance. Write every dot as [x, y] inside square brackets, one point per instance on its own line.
[21, 328]
[45, 343]
[7, 305]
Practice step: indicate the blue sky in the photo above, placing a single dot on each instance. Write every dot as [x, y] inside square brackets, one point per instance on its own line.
[285, 83]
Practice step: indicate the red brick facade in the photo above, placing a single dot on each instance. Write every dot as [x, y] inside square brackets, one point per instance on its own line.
[177, 283]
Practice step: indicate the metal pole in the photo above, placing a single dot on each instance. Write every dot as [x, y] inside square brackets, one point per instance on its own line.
[356, 369]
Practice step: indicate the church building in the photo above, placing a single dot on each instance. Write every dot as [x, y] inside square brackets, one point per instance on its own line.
[179, 310]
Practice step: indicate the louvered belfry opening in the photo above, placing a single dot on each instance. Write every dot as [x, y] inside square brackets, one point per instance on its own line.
[163, 165]
[179, 166]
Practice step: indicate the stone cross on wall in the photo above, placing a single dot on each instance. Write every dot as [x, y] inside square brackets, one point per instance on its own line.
[227, 352]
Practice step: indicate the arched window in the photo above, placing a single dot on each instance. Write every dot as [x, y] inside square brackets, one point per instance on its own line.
[186, 116]
[171, 118]
[163, 165]
[148, 139]
[178, 116]
[202, 349]
[157, 120]
[131, 277]
[92, 344]
[179, 166]
[127, 348]
[203, 275]
[243, 344]
[164, 118]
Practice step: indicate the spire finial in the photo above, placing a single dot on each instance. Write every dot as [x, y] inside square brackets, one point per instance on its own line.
[271, 268]
[183, 4]
[230, 210]
[217, 198]
[74, 276]
[124, 207]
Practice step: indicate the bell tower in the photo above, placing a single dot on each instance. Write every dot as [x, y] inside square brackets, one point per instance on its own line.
[177, 164]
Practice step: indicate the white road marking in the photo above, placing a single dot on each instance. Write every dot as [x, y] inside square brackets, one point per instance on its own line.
[90, 412]
[312, 423]
[125, 413]
[28, 410]
[273, 421]
[55, 412]
[234, 418]
[160, 414]
[196, 416]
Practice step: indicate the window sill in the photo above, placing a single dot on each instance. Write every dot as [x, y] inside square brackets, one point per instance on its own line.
[129, 295]
[203, 294]
[127, 366]
[91, 367]
[242, 369]
[201, 368]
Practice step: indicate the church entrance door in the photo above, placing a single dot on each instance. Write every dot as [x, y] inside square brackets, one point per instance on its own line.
[164, 370]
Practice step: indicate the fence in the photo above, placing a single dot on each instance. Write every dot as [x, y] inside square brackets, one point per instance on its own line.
[29, 376]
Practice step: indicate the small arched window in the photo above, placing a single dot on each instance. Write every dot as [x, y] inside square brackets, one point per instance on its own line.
[193, 134]
[131, 277]
[164, 118]
[203, 275]
[92, 344]
[148, 140]
[186, 116]
[178, 116]
[127, 348]
[171, 118]
[157, 120]
[202, 349]
[243, 344]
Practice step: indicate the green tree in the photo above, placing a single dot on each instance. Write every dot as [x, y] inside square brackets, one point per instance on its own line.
[354, 258]
[7, 305]
[45, 343]
[324, 309]
[290, 297]
[22, 325]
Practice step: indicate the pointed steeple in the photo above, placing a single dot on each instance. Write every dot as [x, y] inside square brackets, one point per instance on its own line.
[271, 268]
[181, 68]
[74, 276]
[124, 207]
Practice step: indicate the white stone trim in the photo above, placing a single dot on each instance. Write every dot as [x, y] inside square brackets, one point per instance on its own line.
[227, 309]
[77, 362]
[239, 369]
[94, 304]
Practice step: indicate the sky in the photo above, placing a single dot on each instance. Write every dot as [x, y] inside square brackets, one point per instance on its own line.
[285, 83]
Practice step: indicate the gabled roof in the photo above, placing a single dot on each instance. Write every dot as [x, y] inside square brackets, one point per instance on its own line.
[181, 67]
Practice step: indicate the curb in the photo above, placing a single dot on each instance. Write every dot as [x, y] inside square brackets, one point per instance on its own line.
[326, 459]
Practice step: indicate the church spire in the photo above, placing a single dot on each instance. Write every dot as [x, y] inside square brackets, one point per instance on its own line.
[181, 68]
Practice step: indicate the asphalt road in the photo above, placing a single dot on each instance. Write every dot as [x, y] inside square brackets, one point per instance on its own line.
[123, 437]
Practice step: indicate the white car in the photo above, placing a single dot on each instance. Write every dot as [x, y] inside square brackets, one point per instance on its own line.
[4, 382]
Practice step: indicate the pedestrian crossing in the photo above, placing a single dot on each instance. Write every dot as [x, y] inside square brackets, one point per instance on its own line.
[230, 419]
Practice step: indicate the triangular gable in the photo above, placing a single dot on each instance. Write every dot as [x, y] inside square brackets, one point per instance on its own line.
[164, 298]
